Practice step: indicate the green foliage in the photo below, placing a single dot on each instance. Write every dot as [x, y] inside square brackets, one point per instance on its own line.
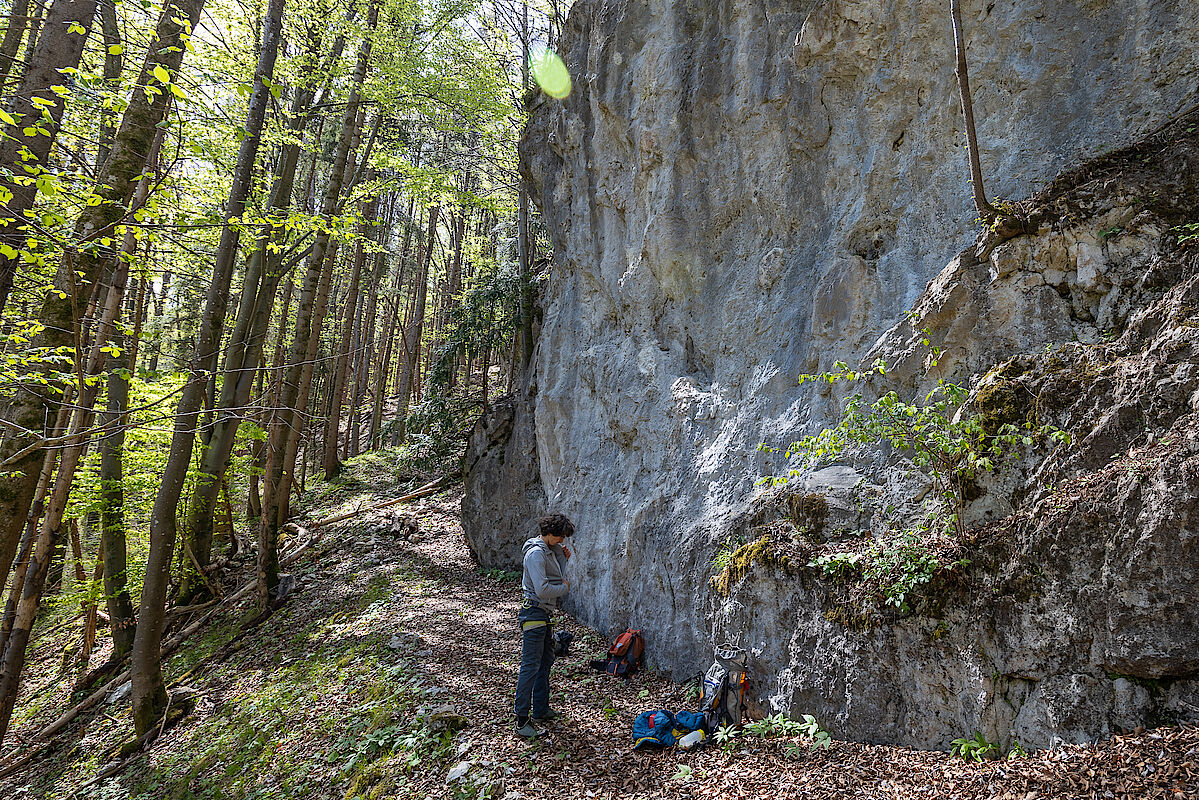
[975, 748]
[903, 565]
[935, 433]
[501, 575]
[726, 737]
[837, 565]
[769, 727]
[891, 572]
[1016, 751]
[682, 774]
[1187, 233]
[483, 321]
[780, 725]
[724, 554]
[817, 736]
[741, 560]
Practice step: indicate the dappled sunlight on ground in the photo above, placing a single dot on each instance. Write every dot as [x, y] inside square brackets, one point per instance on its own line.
[331, 696]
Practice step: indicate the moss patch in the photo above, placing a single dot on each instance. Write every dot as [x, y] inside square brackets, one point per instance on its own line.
[808, 511]
[1001, 403]
[762, 550]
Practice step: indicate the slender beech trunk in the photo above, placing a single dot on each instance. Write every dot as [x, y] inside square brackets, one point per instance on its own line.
[36, 18]
[384, 371]
[21, 565]
[454, 288]
[332, 464]
[18, 19]
[354, 382]
[59, 48]
[149, 694]
[286, 426]
[112, 499]
[412, 339]
[50, 533]
[986, 211]
[60, 313]
[114, 62]
[264, 272]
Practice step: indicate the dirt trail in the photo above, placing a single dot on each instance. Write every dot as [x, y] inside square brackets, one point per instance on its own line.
[382, 629]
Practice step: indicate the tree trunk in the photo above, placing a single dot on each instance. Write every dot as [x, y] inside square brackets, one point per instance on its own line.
[58, 48]
[60, 315]
[412, 349]
[286, 426]
[384, 372]
[986, 211]
[149, 694]
[114, 63]
[112, 500]
[18, 18]
[332, 465]
[244, 350]
[50, 532]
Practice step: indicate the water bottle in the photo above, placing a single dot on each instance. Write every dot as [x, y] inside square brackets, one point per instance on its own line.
[691, 740]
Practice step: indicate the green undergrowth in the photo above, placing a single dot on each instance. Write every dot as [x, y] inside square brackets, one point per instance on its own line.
[305, 704]
[386, 473]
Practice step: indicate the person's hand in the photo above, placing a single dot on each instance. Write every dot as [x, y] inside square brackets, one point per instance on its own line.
[566, 550]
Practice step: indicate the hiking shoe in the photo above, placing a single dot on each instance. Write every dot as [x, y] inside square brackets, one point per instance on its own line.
[529, 731]
[548, 716]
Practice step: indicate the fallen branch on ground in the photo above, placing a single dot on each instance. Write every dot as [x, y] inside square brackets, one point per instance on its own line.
[427, 489]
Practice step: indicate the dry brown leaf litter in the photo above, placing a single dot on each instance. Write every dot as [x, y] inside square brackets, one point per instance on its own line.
[468, 643]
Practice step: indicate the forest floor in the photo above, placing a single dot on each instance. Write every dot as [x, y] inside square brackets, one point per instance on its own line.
[332, 697]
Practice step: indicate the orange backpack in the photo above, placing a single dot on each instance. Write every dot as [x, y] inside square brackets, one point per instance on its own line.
[627, 654]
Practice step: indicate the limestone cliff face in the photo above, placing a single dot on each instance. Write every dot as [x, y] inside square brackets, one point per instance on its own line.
[742, 192]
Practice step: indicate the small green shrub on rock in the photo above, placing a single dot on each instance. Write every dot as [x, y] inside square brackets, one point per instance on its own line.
[936, 433]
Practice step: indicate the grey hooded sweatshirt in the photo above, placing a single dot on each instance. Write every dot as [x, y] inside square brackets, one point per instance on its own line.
[544, 581]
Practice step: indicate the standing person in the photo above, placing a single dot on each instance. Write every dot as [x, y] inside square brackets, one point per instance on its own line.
[544, 584]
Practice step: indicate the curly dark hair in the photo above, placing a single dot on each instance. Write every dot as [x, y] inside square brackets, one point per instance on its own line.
[556, 525]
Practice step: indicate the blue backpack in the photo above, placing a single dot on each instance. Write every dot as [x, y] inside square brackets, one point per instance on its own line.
[658, 729]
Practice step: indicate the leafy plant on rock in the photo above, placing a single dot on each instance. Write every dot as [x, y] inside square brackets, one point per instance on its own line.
[935, 433]
[975, 748]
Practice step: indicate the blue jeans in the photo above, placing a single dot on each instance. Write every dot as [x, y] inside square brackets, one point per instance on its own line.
[536, 658]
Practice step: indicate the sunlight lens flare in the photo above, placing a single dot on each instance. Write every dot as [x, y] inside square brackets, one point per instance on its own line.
[550, 72]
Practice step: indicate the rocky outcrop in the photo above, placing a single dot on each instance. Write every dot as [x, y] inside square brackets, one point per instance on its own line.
[744, 193]
[504, 495]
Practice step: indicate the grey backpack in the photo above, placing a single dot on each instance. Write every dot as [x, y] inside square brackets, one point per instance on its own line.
[722, 701]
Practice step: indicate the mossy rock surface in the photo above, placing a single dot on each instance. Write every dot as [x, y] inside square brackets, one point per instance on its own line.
[762, 550]
[1002, 403]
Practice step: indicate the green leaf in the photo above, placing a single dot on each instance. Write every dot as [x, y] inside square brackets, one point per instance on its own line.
[4, 115]
[161, 74]
[115, 49]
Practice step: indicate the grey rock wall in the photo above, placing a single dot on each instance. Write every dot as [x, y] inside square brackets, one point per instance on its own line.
[741, 192]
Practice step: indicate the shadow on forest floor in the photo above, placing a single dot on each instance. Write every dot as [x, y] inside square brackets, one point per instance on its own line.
[328, 699]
